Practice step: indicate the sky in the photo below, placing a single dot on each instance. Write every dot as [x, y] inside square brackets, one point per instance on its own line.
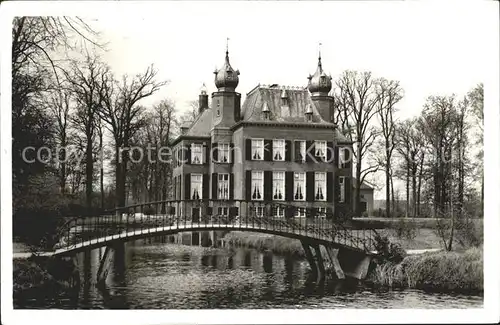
[431, 48]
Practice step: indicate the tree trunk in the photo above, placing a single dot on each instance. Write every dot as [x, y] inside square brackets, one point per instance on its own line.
[407, 206]
[357, 194]
[89, 169]
[387, 191]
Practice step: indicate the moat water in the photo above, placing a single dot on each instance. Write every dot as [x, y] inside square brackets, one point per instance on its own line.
[155, 274]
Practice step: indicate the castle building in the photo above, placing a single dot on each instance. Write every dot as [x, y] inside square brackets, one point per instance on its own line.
[280, 145]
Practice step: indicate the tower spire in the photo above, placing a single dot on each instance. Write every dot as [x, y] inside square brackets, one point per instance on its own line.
[227, 45]
[319, 53]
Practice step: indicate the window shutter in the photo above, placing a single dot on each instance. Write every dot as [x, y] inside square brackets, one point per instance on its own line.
[209, 211]
[296, 151]
[329, 186]
[175, 188]
[268, 150]
[248, 185]
[206, 154]
[231, 153]
[214, 186]
[215, 152]
[289, 186]
[288, 150]
[336, 160]
[348, 157]
[309, 151]
[187, 186]
[206, 187]
[290, 211]
[310, 186]
[268, 185]
[336, 191]
[329, 152]
[187, 152]
[233, 211]
[231, 186]
[248, 149]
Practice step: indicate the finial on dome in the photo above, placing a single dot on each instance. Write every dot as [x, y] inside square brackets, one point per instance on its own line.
[319, 84]
[203, 89]
[226, 78]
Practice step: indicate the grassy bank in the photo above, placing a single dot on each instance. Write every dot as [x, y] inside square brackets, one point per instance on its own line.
[43, 277]
[441, 271]
[263, 242]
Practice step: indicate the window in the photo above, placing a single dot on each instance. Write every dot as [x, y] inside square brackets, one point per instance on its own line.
[223, 152]
[257, 149]
[320, 186]
[320, 149]
[299, 186]
[258, 211]
[301, 212]
[322, 212]
[300, 151]
[278, 211]
[218, 107]
[278, 186]
[344, 157]
[196, 186]
[223, 211]
[223, 187]
[279, 150]
[342, 189]
[196, 153]
[257, 185]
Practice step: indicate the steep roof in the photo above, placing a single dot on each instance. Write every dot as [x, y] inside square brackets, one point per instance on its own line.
[269, 97]
[202, 125]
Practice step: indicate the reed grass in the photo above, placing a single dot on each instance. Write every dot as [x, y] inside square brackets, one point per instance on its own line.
[438, 271]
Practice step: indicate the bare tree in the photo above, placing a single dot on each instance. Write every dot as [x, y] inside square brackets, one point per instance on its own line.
[476, 100]
[124, 118]
[87, 82]
[389, 94]
[357, 98]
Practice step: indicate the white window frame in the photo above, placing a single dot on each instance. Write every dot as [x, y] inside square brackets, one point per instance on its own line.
[300, 212]
[224, 210]
[196, 185]
[320, 186]
[298, 179]
[322, 212]
[279, 149]
[258, 211]
[320, 145]
[278, 186]
[223, 184]
[278, 211]
[224, 149]
[257, 148]
[197, 151]
[257, 185]
[302, 149]
[342, 189]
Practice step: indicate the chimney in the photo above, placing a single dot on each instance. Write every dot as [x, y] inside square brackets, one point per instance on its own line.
[202, 100]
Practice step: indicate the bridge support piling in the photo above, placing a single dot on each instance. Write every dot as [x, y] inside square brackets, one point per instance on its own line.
[310, 257]
[105, 265]
[354, 264]
[319, 261]
[332, 254]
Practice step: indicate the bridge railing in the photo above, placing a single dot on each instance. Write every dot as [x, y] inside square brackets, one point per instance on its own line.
[279, 217]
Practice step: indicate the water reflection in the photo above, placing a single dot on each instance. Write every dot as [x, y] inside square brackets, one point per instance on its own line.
[154, 274]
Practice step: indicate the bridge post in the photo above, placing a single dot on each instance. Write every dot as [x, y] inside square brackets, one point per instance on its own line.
[310, 257]
[104, 265]
[319, 261]
[332, 254]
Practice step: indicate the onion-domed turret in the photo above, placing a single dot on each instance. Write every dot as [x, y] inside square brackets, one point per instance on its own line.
[226, 78]
[320, 83]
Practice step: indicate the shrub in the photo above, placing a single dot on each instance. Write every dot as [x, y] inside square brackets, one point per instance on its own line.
[387, 251]
[405, 229]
